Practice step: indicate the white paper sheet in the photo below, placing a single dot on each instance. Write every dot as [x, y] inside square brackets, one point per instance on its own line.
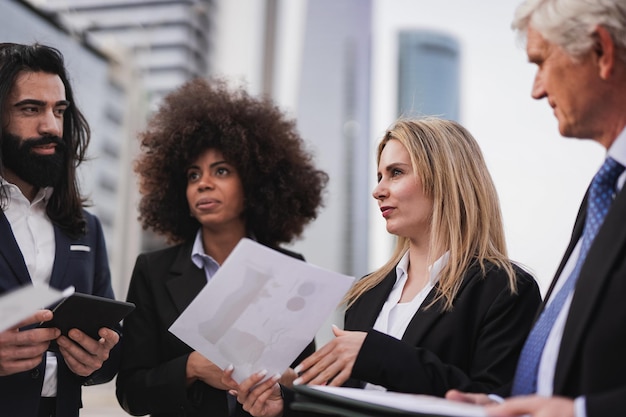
[19, 304]
[424, 404]
[260, 310]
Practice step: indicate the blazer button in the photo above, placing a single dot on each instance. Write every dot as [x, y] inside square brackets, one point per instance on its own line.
[34, 374]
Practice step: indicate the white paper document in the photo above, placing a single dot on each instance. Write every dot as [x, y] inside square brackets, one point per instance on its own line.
[414, 403]
[19, 304]
[260, 310]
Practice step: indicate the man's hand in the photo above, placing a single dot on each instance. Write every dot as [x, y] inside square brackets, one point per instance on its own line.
[333, 363]
[468, 397]
[530, 405]
[533, 405]
[22, 351]
[84, 355]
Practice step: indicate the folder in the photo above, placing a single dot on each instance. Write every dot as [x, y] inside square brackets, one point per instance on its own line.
[357, 402]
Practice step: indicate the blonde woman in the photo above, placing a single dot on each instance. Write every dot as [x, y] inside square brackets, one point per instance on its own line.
[449, 309]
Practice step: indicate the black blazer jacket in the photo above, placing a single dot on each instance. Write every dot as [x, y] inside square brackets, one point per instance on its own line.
[474, 347]
[152, 377]
[80, 262]
[592, 356]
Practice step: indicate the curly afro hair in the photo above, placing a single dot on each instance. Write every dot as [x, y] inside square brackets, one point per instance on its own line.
[282, 187]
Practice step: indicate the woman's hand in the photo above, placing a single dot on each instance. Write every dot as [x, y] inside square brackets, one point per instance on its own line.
[333, 363]
[259, 397]
[200, 368]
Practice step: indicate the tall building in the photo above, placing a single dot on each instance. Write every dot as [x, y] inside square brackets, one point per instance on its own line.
[333, 114]
[428, 74]
[145, 49]
[166, 41]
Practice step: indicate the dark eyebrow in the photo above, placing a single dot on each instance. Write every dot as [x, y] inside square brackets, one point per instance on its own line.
[40, 103]
[214, 164]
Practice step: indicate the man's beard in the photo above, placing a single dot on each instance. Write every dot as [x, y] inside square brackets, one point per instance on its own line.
[35, 169]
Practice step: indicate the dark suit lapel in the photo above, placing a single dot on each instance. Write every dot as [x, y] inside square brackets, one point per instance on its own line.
[185, 279]
[425, 318]
[60, 278]
[576, 234]
[10, 251]
[363, 314]
[602, 256]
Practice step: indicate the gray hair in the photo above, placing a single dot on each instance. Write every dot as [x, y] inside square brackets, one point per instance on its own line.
[570, 24]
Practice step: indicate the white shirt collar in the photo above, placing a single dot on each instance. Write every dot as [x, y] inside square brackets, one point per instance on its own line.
[200, 258]
[13, 191]
[434, 269]
[617, 150]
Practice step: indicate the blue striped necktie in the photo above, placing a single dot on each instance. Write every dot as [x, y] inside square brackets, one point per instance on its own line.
[600, 198]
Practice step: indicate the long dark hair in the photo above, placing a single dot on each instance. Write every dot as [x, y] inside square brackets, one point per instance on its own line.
[66, 203]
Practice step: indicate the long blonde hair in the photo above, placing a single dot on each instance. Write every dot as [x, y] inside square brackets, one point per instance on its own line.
[466, 218]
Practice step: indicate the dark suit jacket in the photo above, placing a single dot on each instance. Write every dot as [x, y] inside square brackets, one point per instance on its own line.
[89, 273]
[152, 377]
[591, 360]
[473, 348]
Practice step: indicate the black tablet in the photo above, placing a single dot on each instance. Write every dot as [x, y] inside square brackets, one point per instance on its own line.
[88, 313]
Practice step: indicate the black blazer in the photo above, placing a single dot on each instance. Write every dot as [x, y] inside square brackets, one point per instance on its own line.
[152, 377]
[88, 272]
[591, 359]
[474, 347]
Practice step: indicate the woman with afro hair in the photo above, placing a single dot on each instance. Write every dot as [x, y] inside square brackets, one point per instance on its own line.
[216, 165]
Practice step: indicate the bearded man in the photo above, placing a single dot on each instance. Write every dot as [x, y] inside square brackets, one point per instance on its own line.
[46, 236]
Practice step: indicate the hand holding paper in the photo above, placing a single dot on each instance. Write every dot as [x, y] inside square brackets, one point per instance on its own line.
[18, 304]
[21, 345]
[259, 395]
[332, 364]
[260, 310]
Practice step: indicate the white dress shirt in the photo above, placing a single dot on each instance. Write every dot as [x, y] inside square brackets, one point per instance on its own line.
[34, 235]
[547, 365]
[201, 259]
[395, 317]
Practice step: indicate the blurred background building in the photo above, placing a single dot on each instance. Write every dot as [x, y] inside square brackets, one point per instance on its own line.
[344, 69]
[143, 49]
[146, 49]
